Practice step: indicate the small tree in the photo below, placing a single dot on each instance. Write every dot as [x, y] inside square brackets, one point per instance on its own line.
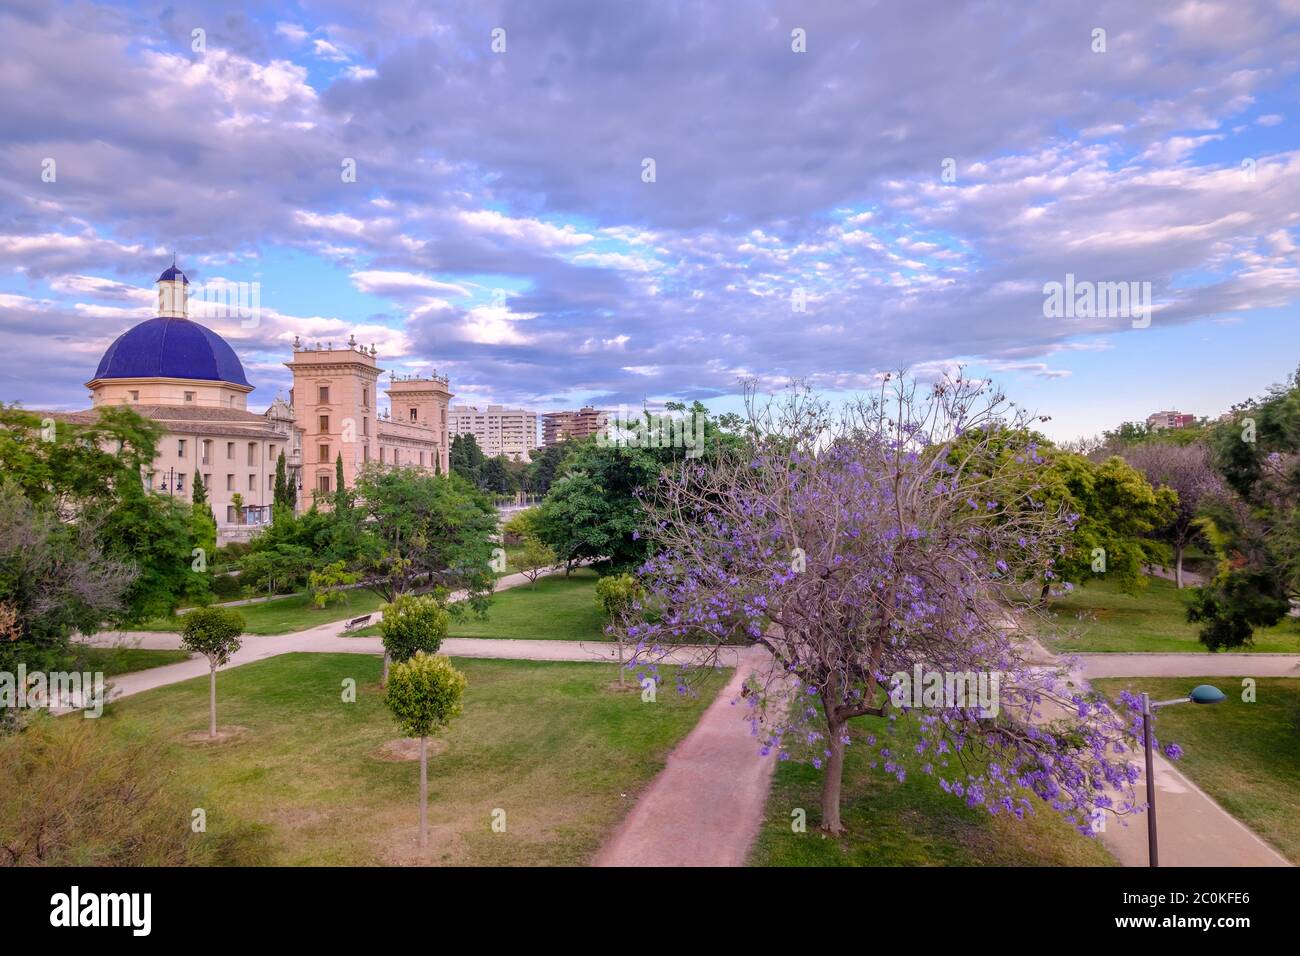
[331, 583]
[535, 558]
[412, 624]
[214, 633]
[424, 693]
[237, 500]
[284, 494]
[341, 501]
[618, 595]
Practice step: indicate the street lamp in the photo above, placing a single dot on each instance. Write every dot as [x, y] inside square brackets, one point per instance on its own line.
[1201, 694]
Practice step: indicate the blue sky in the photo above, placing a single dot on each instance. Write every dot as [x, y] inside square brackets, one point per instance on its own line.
[500, 229]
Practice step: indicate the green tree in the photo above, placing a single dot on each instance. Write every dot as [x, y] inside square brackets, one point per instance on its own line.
[534, 558]
[412, 623]
[422, 531]
[341, 500]
[618, 596]
[545, 465]
[285, 496]
[466, 458]
[424, 693]
[331, 583]
[213, 632]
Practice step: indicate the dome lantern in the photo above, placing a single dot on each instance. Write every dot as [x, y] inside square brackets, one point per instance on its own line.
[173, 293]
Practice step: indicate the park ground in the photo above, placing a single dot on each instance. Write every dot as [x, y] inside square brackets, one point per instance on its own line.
[565, 755]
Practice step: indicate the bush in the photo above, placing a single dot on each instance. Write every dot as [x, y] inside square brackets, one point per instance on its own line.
[213, 632]
[77, 793]
[413, 623]
[227, 587]
[616, 593]
[424, 693]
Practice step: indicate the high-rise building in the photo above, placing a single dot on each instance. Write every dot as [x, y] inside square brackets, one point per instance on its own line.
[559, 426]
[498, 430]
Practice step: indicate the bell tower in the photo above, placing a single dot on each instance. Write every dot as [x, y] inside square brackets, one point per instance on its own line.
[173, 294]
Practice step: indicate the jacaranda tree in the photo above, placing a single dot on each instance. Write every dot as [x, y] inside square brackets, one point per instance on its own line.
[862, 545]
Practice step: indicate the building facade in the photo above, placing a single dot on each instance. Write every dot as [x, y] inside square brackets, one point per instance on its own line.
[560, 426]
[497, 430]
[1159, 420]
[188, 379]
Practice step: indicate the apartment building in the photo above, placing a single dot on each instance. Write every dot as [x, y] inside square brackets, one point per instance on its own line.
[559, 426]
[498, 430]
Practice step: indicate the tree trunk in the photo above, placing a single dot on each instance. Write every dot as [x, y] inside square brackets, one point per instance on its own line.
[384, 681]
[622, 682]
[212, 701]
[833, 781]
[424, 791]
[1178, 565]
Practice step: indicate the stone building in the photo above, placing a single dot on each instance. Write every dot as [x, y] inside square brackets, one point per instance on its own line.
[188, 379]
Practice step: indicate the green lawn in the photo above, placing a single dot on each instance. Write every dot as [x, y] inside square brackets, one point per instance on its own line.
[913, 823]
[112, 661]
[1100, 617]
[559, 608]
[549, 743]
[1245, 755]
[285, 615]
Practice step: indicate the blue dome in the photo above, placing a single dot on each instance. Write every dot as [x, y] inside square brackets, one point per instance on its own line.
[173, 273]
[171, 348]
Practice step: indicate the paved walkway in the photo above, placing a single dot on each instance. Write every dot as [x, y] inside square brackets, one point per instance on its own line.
[1193, 829]
[706, 806]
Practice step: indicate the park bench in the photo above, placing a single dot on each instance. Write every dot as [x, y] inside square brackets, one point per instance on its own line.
[357, 622]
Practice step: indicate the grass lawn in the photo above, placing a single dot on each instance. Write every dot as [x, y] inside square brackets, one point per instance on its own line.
[122, 660]
[285, 615]
[557, 609]
[549, 743]
[1100, 617]
[1246, 756]
[913, 823]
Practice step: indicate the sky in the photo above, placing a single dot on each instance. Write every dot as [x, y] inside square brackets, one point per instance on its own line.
[563, 203]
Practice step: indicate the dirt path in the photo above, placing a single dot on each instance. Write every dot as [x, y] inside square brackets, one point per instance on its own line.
[706, 806]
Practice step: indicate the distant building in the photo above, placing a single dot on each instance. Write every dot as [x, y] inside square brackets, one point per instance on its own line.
[1159, 420]
[560, 426]
[498, 430]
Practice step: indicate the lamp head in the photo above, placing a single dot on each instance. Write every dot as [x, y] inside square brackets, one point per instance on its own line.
[1207, 694]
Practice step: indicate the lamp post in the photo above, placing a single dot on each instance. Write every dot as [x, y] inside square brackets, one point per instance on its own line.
[1201, 694]
[169, 483]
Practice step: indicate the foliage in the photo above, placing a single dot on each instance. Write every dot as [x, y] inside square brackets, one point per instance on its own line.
[284, 496]
[521, 526]
[213, 632]
[78, 795]
[331, 583]
[424, 693]
[534, 558]
[545, 465]
[1189, 471]
[278, 568]
[861, 547]
[617, 593]
[413, 623]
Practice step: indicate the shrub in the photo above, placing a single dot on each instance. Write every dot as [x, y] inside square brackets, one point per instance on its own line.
[413, 623]
[78, 793]
[616, 593]
[424, 693]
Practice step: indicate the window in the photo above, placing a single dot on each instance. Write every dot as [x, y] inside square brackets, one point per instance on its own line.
[324, 394]
[365, 452]
[381, 454]
[270, 482]
[415, 414]
[324, 453]
[252, 482]
[443, 413]
[206, 448]
[324, 424]
[323, 482]
[207, 481]
[270, 452]
[230, 450]
[230, 514]
[148, 482]
[180, 448]
[230, 482]
[180, 482]
[421, 459]
[252, 453]
[189, 396]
